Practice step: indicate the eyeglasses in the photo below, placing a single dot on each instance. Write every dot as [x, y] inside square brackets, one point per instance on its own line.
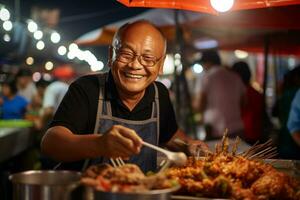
[144, 59]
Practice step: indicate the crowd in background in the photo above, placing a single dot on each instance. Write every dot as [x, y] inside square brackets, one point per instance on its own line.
[226, 100]
[36, 102]
[22, 98]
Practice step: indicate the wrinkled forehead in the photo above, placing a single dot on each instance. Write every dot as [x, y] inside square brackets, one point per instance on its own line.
[141, 35]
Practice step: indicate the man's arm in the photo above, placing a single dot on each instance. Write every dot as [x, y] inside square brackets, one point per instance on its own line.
[62, 145]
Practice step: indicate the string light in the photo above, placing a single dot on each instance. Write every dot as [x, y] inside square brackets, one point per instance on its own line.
[97, 66]
[4, 14]
[49, 65]
[6, 38]
[38, 35]
[62, 50]
[55, 37]
[29, 61]
[40, 45]
[32, 26]
[7, 25]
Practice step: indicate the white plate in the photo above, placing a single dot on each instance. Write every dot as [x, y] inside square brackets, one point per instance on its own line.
[179, 197]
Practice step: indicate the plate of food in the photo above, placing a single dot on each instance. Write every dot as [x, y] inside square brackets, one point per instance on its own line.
[127, 182]
[224, 174]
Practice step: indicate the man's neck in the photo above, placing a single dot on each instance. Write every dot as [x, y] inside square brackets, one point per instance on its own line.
[130, 100]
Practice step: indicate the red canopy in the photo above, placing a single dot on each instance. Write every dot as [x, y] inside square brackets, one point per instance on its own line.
[204, 5]
[249, 29]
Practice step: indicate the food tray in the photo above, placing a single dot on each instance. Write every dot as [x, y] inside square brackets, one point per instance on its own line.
[290, 167]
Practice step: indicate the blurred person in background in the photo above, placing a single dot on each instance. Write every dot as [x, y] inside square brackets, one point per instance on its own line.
[35, 108]
[220, 97]
[253, 110]
[56, 91]
[13, 106]
[25, 84]
[287, 147]
[294, 120]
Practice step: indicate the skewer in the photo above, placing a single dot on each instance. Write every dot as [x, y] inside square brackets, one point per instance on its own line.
[266, 153]
[235, 145]
[257, 148]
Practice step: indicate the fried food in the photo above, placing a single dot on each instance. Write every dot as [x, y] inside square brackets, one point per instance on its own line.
[223, 174]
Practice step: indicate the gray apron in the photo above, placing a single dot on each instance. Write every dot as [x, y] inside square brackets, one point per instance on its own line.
[148, 129]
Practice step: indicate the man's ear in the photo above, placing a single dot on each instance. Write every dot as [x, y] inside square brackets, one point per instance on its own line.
[161, 68]
[110, 55]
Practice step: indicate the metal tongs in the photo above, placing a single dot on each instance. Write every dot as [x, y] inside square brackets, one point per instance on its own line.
[176, 158]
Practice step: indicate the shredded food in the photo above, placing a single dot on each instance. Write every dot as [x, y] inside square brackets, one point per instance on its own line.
[127, 178]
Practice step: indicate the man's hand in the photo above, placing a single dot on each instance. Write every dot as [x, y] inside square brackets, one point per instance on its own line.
[119, 141]
[181, 142]
[197, 148]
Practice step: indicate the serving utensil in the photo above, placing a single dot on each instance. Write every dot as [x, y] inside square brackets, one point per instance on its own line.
[177, 158]
[117, 162]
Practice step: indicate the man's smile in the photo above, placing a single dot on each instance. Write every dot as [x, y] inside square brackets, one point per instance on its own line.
[133, 76]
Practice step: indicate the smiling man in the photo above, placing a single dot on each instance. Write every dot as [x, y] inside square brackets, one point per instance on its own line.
[108, 115]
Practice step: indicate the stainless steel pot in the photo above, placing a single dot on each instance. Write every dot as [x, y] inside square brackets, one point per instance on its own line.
[164, 194]
[44, 185]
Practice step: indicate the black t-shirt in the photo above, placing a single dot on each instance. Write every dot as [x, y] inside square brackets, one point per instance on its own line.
[78, 108]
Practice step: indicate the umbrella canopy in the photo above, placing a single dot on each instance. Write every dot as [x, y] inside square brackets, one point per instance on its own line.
[204, 5]
[244, 29]
[249, 29]
[163, 18]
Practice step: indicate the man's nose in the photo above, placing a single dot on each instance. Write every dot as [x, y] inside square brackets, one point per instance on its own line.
[135, 63]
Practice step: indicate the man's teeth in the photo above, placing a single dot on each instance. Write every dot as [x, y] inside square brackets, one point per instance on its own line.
[133, 76]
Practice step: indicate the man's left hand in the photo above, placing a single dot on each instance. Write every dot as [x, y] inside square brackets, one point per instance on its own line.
[197, 148]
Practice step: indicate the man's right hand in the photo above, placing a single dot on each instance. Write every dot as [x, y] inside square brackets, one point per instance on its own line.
[119, 141]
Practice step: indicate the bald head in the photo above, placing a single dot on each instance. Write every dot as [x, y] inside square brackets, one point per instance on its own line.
[140, 28]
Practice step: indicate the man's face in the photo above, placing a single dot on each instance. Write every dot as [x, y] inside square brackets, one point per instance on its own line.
[134, 77]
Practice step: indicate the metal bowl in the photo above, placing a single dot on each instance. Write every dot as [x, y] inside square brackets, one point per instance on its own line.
[44, 185]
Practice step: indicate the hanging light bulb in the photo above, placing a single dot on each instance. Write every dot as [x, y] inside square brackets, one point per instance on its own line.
[6, 38]
[4, 14]
[38, 35]
[40, 45]
[62, 50]
[222, 5]
[7, 25]
[55, 37]
[29, 61]
[49, 65]
[32, 26]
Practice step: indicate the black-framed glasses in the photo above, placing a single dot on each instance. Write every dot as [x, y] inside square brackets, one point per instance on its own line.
[146, 60]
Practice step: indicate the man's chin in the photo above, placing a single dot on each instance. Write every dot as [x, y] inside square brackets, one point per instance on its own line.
[133, 90]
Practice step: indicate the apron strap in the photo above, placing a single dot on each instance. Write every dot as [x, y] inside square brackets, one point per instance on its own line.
[157, 112]
[101, 81]
[108, 108]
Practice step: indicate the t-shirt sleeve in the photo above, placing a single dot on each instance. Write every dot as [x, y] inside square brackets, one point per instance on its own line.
[74, 110]
[168, 123]
[293, 123]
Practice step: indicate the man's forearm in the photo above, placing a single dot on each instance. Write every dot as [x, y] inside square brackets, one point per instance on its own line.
[61, 144]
